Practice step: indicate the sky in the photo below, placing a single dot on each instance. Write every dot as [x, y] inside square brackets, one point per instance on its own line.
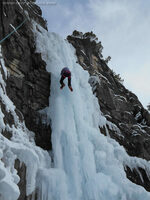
[123, 27]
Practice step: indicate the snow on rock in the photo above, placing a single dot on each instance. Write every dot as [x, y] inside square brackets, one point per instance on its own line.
[120, 97]
[14, 29]
[94, 81]
[4, 14]
[87, 165]
[19, 4]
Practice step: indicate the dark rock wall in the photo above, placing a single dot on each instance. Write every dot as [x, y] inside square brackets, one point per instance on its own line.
[119, 105]
[21, 168]
[28, 84]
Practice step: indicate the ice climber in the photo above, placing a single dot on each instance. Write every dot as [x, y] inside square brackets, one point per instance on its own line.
[65, 72]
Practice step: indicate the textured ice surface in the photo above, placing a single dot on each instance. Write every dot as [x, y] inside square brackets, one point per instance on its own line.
[87, 165]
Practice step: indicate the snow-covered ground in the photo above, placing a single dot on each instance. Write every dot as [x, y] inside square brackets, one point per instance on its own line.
[87, 165]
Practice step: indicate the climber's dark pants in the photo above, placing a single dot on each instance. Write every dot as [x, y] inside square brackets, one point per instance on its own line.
[63, 77]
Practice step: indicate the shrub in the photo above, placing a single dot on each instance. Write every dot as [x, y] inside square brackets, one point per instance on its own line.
[117, 77]
[107, 59]
[148, 106]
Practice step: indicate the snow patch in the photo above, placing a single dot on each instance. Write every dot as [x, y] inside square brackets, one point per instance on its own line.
[14, 29]
[19, 4]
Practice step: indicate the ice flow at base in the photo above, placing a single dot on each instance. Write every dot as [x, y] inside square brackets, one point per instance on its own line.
[87, 165]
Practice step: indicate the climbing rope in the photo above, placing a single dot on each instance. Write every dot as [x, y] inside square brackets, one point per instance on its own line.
[7, 36]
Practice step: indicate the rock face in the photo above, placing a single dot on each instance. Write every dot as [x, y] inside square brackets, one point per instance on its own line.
[28, 85]
[119, 105]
